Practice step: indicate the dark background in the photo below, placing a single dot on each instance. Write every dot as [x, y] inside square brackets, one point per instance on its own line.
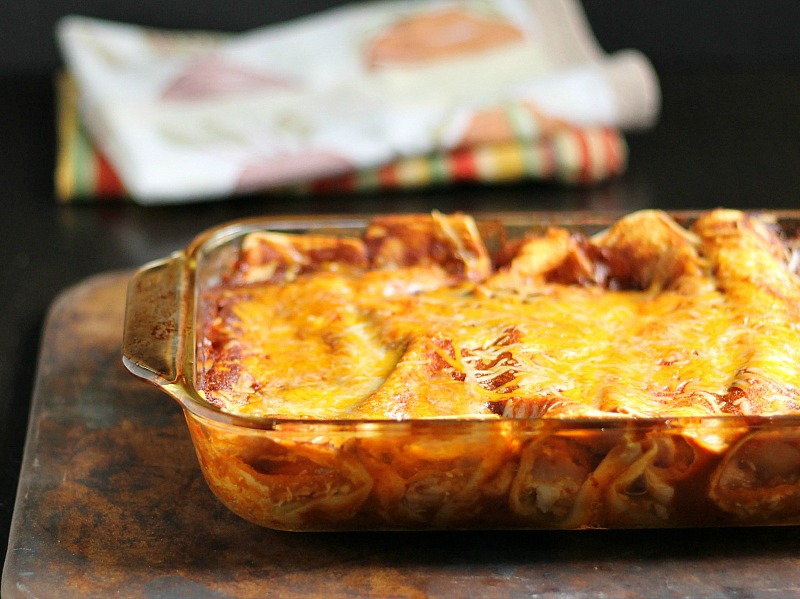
[729, 134]
[669, 32]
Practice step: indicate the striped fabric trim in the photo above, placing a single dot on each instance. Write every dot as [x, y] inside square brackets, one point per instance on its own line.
[569, 156]
[82, 172]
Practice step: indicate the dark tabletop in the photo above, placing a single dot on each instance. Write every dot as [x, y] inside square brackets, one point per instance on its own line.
[727, 136]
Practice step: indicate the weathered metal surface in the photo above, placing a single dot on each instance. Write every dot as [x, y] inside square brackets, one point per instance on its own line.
[112, 503]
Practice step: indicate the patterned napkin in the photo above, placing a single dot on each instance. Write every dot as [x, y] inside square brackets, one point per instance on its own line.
[388, 95]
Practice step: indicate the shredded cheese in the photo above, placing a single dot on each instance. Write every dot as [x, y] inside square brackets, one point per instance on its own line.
[348, 344]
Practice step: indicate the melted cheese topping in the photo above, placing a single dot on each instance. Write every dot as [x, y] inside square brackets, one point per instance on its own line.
[415, 342]
[323, 347]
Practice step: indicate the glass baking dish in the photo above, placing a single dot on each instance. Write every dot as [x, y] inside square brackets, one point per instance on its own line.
[454, 473]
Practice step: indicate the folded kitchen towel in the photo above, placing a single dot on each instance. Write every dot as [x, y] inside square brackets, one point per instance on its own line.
[569, 156]
[367, 96]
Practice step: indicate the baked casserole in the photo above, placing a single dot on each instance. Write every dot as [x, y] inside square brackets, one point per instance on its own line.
[446, 371]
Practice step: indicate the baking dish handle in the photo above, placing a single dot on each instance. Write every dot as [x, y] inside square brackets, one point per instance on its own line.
[151, 342]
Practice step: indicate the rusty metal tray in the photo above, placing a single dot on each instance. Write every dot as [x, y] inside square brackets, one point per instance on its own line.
[112, 503]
